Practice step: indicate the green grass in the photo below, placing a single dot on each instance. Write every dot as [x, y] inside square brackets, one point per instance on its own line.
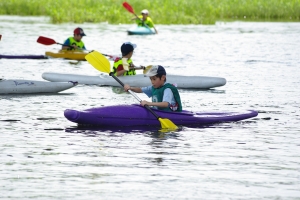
[161, 11]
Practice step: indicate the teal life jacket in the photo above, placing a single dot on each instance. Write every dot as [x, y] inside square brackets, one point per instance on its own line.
[158, 94]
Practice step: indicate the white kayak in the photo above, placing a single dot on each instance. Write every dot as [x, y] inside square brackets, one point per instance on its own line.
[19, 86]
[141, 30]
[139, 80]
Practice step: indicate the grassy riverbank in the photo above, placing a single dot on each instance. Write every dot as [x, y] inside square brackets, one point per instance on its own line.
[161, 11]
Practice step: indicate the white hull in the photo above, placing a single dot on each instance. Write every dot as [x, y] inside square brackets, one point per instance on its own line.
[139, 80]
[18, 86]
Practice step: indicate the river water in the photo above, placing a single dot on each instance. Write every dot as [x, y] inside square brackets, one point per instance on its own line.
[45, 156]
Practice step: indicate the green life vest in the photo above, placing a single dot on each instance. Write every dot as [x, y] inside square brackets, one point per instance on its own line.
[158, 94]
[130, 72]
[74, 42]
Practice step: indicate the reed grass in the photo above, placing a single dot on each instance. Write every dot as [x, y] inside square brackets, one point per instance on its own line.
[161, 11]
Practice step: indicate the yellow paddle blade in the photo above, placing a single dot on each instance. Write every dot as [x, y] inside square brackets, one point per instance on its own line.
[167, 124]
[98, 61]
[147, 69]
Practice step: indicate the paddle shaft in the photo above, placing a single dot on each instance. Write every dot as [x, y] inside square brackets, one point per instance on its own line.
[133, 94]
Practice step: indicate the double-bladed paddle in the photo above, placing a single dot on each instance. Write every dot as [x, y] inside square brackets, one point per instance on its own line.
[99, 62]
[49, 41]
[128, 7]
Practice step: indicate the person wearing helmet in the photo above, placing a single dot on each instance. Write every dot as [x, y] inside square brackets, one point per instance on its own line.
[145, 20]
[75, 42]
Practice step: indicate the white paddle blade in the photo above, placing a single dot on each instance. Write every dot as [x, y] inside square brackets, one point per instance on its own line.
[125, 64]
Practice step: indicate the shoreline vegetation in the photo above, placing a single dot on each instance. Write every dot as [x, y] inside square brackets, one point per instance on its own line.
[161, 11]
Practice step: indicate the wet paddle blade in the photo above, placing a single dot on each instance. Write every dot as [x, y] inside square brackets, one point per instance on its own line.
[167, 124]
[98, 61]
[0, 37]
[45, 41]
[128, 7]
[147, 69]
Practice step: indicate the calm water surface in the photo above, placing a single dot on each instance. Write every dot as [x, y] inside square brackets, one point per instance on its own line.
[44, 156]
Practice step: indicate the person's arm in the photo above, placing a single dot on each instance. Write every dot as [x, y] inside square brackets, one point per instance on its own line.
[66, 45]
[120, 70]
[151, 24]
[155, 30]
[163, 104]
[134, 89]
[135, 18]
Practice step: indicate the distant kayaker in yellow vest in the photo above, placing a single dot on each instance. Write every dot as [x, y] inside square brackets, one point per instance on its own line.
[145, 20]
[124, 66]
[75, 42]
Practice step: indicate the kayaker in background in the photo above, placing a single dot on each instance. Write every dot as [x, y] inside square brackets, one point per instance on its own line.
[75, 42]
[165, 96]
[145, 20]
[124, 66]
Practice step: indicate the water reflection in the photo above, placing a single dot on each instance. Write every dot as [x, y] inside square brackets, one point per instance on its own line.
[129, 130]
[155, 132]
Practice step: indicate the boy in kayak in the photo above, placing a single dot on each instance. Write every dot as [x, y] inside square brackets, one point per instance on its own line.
[124, 66]
[145, 20]
[75, 42]
[165, 96]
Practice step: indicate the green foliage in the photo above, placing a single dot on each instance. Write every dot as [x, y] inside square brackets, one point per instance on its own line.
[161, 11]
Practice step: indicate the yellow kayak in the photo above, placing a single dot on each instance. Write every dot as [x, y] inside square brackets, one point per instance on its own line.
[72, 55]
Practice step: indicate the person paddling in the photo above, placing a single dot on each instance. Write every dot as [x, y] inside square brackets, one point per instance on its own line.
[124, 66]
[165, 96]
[75, 42]
[145, 20]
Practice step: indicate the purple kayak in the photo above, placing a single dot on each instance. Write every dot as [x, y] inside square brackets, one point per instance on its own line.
[136, 115]
[23, 56]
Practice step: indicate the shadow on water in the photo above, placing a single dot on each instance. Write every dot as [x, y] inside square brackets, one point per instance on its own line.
[94, 130]
[155, 132]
